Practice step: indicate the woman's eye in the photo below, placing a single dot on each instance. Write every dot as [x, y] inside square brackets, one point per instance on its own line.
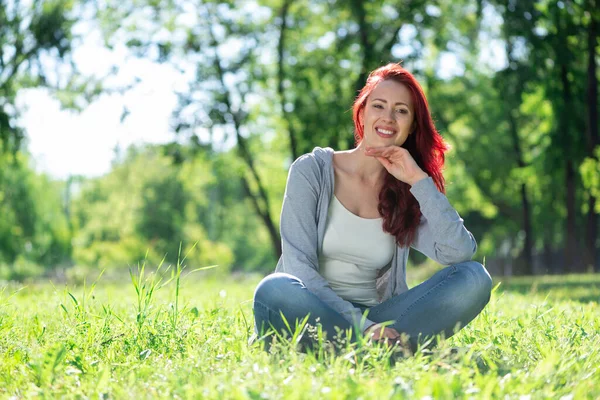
[378, 106]
[401, 111]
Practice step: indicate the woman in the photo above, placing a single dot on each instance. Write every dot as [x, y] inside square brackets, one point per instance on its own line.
[350, 217]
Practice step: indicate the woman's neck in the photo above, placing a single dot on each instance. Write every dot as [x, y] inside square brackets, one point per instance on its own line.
[366, 169]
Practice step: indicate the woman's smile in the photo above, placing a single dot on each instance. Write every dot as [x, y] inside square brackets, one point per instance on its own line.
[385, 132]
[388, 115]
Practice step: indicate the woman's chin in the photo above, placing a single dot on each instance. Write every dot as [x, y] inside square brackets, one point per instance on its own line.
[378, 141]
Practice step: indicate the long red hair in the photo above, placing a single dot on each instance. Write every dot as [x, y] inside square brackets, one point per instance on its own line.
[398, 207]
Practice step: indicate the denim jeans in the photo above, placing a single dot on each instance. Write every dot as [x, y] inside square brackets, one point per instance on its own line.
[444, 303]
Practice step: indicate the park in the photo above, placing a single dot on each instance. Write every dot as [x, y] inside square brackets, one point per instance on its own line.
[150, 154]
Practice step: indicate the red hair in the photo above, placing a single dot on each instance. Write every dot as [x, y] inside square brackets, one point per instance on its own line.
[398, 207]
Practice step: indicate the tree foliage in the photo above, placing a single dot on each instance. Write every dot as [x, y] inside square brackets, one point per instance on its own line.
[512, 87]
[517, 125]
[144, 210]
[33, 227]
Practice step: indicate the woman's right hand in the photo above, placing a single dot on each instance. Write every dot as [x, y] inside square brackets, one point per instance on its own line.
[379, 333]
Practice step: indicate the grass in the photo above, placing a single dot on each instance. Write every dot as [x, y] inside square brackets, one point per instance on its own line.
[166, 337]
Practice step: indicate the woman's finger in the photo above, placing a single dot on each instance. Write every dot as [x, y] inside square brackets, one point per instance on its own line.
[388, 151]
[384, 161]
[381, 150]
[391, 332]
[373, 151]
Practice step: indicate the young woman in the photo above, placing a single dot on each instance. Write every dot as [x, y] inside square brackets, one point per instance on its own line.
[349, 219]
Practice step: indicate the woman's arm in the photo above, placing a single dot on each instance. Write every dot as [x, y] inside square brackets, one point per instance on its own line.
[299, 237]
[441, 235]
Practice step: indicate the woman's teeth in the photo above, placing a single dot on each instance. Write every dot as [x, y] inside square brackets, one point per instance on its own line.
[384, 132]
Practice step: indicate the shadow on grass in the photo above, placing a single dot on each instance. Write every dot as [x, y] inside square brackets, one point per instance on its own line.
[581, 288]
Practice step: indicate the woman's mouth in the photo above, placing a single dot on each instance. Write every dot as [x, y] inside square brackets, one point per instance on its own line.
[385, 133]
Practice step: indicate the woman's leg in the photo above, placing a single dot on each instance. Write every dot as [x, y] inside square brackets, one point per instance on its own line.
[285, 294]
[446, 302]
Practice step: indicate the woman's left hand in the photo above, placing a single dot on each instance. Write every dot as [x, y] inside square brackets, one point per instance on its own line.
[398, 162]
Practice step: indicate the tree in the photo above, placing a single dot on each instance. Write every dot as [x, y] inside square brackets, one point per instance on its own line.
[283, 75]
[593, 134]
[497, 120]
[31, 230]
[216, 100]
[144, 209]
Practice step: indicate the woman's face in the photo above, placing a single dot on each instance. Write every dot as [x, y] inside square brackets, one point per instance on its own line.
[388, 115]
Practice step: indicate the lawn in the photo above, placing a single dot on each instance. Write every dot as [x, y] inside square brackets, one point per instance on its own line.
[538, 338]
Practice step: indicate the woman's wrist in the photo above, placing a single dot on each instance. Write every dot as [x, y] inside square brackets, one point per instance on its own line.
[418, 177]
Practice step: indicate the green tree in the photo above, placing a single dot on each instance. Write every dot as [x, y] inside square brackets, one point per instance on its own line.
[593, 130]
[219, 43]
[35, 42]
[31, 230]
[282, 75]
[555, 35]
[144, 209]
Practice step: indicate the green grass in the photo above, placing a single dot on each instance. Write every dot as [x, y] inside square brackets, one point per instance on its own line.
[537, 338]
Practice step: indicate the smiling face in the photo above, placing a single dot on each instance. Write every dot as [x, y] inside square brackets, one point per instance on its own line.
[388, 115]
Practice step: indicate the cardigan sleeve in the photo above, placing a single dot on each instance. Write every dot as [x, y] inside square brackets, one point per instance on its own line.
[299, 237]
[441, 235]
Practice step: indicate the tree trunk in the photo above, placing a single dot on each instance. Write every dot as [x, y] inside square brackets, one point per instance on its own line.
[273, 233]
[259, 200]
[281, 77]
[358, 9]
[548, 259]
[571, 263]
[526, 264]
[591, 233]
[263, 212]
[593, 141]
[527, 268]
[513, 100]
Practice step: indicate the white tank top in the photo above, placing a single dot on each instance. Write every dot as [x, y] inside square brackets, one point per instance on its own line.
[354, 250]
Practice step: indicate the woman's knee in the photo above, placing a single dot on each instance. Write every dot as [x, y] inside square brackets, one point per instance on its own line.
[477, 279]
[275, 288]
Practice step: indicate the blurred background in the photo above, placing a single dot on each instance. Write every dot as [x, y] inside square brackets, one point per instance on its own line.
[131, 128]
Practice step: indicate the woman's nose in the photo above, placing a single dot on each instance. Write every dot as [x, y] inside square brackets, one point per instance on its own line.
[390, 116]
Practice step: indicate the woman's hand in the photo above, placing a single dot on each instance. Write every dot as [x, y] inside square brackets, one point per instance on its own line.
[379, 333]
[398, 162]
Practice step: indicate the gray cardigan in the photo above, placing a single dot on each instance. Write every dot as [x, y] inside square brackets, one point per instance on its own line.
[441, 235]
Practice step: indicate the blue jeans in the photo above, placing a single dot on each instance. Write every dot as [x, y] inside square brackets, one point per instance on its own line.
[446, 302]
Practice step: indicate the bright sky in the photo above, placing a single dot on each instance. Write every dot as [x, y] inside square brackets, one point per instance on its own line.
[67, 143]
